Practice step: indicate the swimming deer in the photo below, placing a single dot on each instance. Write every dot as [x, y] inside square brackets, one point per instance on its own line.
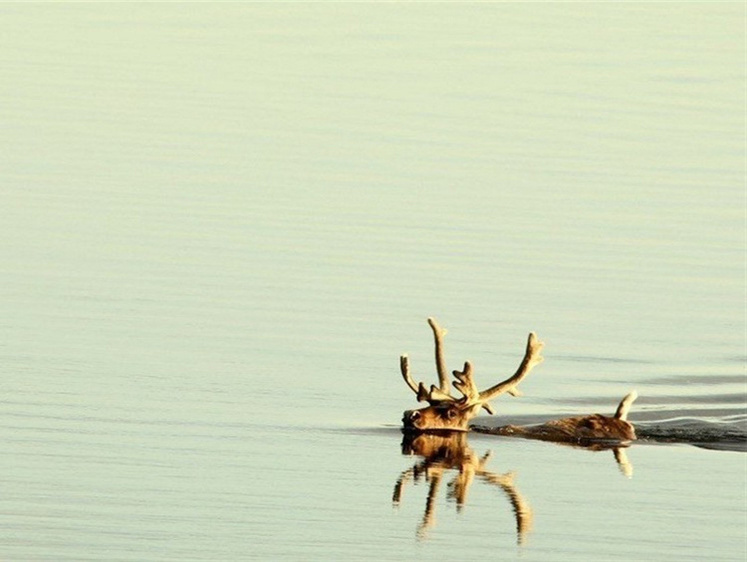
[449, 413]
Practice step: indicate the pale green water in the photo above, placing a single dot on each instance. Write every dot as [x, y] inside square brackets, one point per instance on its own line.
[222, 224]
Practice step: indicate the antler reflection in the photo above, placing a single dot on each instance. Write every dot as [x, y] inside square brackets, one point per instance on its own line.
[442, 453]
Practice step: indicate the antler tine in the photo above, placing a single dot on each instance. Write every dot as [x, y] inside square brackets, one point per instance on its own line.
[438, 335]
[432, 395]
[404, 367]
[532, 357]
[466, 385]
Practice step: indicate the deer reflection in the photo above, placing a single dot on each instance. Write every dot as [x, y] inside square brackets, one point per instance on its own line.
[626, 468]
[445, 452]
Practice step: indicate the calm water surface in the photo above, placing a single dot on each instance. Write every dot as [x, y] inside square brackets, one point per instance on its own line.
[222, 224]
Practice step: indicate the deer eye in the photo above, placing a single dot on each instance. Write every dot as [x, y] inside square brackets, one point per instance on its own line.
[451, 413]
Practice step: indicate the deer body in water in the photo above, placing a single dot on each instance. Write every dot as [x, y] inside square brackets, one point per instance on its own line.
[580, 429]
[449, 413]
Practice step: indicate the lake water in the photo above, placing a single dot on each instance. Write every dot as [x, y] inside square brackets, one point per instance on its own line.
[223, 223]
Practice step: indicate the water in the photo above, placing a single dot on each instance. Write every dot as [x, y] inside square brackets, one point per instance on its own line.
[221, 226]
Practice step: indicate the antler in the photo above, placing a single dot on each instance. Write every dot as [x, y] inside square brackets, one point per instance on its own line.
[532, 357]
[438, 337]
[435, 393]
[445, 412]
[466, 385]
[432, 395]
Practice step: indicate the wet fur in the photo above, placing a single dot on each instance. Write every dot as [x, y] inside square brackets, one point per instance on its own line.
[582, 429]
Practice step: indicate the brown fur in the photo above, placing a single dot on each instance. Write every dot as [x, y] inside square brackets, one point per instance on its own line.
[573, 430]
[445, 416]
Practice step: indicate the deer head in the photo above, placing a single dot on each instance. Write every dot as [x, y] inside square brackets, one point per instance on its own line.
[449, 413]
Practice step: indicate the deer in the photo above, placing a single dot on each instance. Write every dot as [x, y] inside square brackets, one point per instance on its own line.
[448, 413]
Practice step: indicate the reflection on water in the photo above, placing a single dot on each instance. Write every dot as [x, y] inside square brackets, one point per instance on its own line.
[622, 461]
[450, 452]
[444, 452]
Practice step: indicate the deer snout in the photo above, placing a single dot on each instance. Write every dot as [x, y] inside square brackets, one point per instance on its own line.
[410, 419]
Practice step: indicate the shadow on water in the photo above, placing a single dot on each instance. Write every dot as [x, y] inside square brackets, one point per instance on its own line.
[444, 453]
